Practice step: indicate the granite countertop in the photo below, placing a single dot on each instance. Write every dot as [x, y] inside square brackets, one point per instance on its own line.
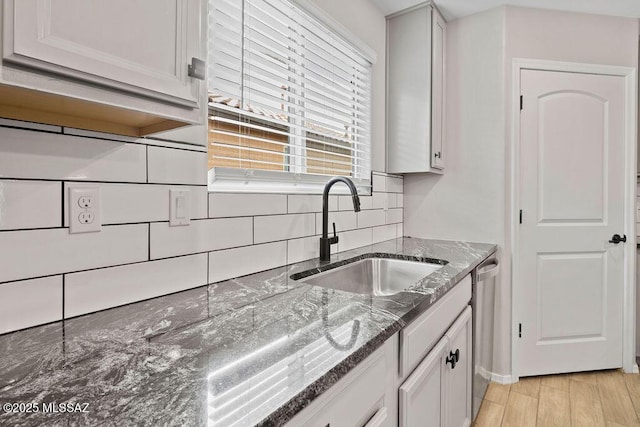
[252, 350]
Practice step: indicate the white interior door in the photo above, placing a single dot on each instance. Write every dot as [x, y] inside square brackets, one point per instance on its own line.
[570, 277]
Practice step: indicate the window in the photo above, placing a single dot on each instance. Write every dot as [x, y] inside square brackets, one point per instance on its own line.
[289, 100]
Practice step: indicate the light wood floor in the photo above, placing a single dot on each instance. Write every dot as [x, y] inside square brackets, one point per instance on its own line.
[603, 398]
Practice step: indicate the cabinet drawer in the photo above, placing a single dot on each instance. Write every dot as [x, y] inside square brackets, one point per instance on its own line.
[417, 338]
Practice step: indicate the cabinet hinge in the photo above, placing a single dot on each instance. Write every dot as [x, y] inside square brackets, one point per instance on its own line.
[196, 69]
[520, 216]
[519, 330]
[521, 102]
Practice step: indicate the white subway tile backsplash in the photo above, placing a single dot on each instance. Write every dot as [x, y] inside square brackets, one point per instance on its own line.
[100, 135]
[386, 232]
[129, 203]
[303, 203]
[30, 204]
[345, 203]
[303, 249]
[394, 216]
[30, 302]
[371, 218]
[394, 185]
[230, 263]
[30, 125]
[246, 204]
[95, 290]
[200, 236]
[282, 227]
[34, 253]
[355, 239]
[379, 200]
[392, 200]
[344, 221]
[379, 183]
[170, 166]
[41, 155]
[137, 255]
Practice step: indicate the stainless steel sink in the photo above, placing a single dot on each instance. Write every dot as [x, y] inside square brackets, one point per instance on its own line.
[373, 276]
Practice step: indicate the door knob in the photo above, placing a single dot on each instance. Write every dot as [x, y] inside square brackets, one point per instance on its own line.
[617, 239]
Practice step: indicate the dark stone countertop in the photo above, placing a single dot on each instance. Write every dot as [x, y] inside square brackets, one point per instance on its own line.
[252, 350]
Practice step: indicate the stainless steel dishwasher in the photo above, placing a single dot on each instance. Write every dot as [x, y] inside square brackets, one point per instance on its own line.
[483, 284]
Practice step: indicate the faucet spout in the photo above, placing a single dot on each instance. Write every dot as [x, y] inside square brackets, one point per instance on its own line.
[325, 240]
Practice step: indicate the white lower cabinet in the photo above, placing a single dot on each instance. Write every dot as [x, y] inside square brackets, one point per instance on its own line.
[458, 374]
[364, 397]
[438, 392]
[422, 395]
[420, 377]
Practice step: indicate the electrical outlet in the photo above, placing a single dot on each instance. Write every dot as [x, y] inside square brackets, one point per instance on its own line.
[84, 209]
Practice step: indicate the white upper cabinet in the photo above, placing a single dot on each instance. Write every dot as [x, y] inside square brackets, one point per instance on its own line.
[415, 90]
[114, 43]
[116, 56]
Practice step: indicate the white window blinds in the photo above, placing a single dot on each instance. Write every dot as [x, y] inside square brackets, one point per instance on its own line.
[289, 100]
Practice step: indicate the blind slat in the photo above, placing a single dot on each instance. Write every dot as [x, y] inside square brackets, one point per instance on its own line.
[362, 147]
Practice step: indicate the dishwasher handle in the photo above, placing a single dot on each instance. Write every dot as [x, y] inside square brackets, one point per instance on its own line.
[487, 270]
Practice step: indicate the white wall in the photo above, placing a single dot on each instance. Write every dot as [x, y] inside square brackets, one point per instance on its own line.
[472, 200]
[366, 21]
[466, 203]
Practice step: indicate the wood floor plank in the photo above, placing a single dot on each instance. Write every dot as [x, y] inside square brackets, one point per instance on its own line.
[529, 386]
[633, 386]
[585, 377]
[554, 409]
[521, 411]
[498, 393]
[490, 414]
[560, 381]
[616, 403]
[586, 408]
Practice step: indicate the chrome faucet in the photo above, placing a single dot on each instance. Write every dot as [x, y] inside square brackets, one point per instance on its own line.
[325, 240]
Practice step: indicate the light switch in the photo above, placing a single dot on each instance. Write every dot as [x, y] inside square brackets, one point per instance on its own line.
[179, 207]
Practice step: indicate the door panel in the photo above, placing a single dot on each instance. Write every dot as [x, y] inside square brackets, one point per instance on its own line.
[571, 194]
[561, 143]
[422, 394]
[458, 402]
[576, 277]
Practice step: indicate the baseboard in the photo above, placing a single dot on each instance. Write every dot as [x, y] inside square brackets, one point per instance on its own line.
[634, 369]
[502, 379]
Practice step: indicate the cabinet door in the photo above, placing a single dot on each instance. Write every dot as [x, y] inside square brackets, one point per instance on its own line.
[422, 395]
[409, 91]
[139, 46]
[438, 33]
[458, 395]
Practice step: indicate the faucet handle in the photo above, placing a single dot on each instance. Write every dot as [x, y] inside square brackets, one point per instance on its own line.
[333, 240]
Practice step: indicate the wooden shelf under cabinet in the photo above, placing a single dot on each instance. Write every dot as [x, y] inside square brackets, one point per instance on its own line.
[37, 106]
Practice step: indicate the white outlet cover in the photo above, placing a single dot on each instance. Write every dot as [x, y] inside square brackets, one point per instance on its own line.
[179, 207]
[84, 217]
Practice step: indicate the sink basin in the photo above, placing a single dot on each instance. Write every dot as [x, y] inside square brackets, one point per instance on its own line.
[372, 276]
